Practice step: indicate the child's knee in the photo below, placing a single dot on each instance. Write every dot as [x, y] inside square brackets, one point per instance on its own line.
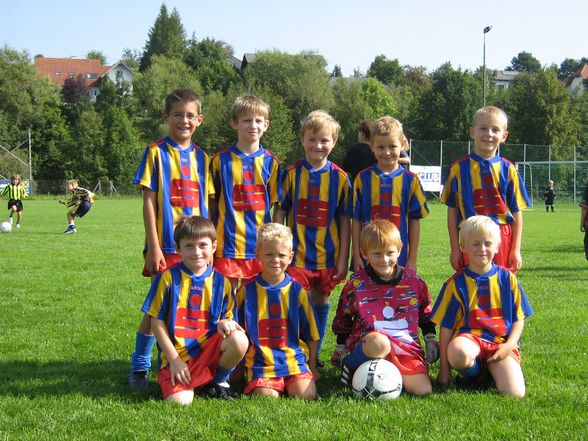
[237, 341]
[184, 397]
[376, 345]
[419, 384]
[461, 353]
[305, 389]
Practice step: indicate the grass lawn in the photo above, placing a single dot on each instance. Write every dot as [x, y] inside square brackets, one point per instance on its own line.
[70, 306]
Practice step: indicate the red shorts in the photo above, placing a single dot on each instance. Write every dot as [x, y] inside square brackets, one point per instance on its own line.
[202, 369]
[279, 384]
[501, 257]
[321, 280]
[488, 348]
[407, 364]
[170, 261]
[237, 268]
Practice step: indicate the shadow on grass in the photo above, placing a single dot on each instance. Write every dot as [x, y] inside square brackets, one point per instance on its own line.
[96, 379]
[567, 273]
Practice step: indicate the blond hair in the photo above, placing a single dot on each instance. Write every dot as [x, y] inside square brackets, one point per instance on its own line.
[385, 126]
[17, 177]
[317, 120]
[491, 111]
[247, 105]
[275, 233]
[478, 225]
[378, 234]
[73, 181]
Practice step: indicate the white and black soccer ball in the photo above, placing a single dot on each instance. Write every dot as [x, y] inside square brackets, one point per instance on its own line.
[377, 379]
[6, 227]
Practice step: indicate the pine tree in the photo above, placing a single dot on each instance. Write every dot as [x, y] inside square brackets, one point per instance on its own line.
[167, 37]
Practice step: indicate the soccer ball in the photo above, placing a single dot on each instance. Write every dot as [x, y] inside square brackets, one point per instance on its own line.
[6, 227]
[377, 379]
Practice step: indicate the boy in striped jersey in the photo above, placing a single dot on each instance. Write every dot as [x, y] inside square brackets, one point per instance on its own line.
[190, 306]
[15, 192]
[481, 311]
[278, 317]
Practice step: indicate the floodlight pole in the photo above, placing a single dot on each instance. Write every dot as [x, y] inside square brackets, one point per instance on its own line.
[486, 30]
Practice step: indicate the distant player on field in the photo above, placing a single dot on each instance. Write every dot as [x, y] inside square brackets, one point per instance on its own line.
[79, 203]
[15, 192]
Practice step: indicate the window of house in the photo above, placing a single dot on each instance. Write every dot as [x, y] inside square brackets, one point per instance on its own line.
[57, 74]
[72, 74]
[91, 75]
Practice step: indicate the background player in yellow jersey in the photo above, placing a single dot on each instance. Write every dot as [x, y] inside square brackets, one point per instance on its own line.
[191, 310]
[174, 177]
[279, 320]
[316, 203]
[245, 177]
[481, 311]
[15, 192]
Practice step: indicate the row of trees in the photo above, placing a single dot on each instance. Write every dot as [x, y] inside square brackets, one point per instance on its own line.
[72, 136]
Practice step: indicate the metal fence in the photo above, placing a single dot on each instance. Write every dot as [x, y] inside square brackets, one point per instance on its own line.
[567, 166]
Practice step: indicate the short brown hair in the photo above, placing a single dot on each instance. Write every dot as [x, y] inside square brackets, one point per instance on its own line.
[249, 104]
[379, 233]
[386, 125]
[365, 128]
[317, 120]
[190, 227]
[182, 96]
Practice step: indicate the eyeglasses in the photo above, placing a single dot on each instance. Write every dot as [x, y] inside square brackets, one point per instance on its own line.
[180, 116]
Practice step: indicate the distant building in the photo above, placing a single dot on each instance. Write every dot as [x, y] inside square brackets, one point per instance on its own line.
[59, 69]
[577, 82]
[504, 78]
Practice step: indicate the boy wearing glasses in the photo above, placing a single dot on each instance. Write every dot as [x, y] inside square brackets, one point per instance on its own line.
[175, 180]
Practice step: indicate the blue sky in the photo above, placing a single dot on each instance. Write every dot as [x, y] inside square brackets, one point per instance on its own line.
[348, 33]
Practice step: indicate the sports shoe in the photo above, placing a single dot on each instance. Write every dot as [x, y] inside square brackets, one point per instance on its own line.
[138, 380]
[17, 225]
[346, 372]
[10, 220]
[213, 390]
[339, 353]
[70, 230]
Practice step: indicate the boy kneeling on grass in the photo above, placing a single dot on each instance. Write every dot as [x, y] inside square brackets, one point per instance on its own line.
[199, 342]
[481, 311]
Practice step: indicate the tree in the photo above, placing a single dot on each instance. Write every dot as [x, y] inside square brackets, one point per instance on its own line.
[97, 55]
[539, 111]
[446, 109]
[301, 80]
[208, 58]
[524, 62]
[569, 66]
[84, 159]
[131, 58]
[166, 37]
[74, 90]
[337, 72]
[387, 71]
[151, 88]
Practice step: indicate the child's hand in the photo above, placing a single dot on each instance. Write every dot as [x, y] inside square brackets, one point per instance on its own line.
[314, 371]
[341, 271]
[456, 259]
[226, 327]
[357, 264]
[154, 261]
[501, 353]
[444, 377]
[515, 260]
[431, 348]
[179, 372]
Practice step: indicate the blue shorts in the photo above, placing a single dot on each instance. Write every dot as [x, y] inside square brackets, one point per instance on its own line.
[82, 209]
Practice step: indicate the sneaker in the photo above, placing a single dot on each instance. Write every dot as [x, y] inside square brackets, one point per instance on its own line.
[339, 353]
[138, 380]
[346, 373]
[70, 230]
[213, 390]
[17, 225]
[10, 220]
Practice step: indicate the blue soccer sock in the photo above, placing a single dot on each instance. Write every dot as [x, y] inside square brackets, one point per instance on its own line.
[472, 371]
[322, 319]
[221, 376]
[357, 357]
[141, 358]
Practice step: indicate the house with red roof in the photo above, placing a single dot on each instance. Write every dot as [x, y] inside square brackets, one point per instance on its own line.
[578, 80]
[59, 69]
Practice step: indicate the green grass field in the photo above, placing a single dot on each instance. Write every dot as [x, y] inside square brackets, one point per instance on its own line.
[70, 306]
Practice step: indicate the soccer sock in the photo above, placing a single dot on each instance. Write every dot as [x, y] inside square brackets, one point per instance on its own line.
[357, 357]
[472, 371]
[141, 358]
[221, 376]
[322, 318]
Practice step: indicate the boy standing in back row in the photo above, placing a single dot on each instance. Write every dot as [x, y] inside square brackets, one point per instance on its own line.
[483, 183]
[245, 178]
[316, 204]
